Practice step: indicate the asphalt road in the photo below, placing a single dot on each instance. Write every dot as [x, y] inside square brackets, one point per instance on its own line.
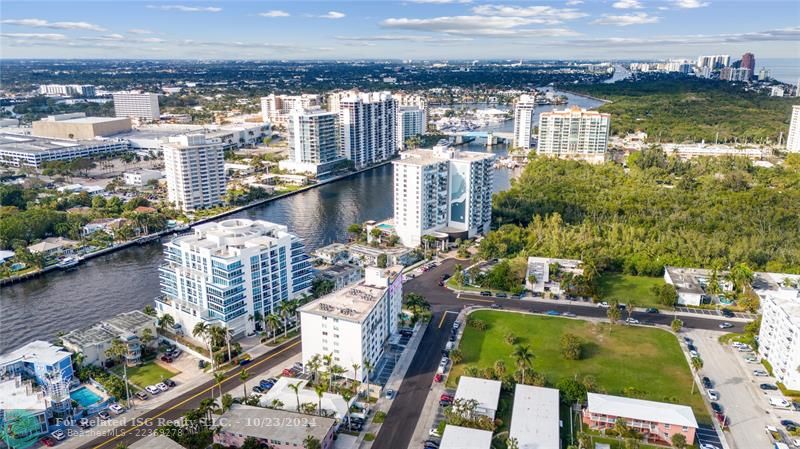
[398, 429]
[146, 424]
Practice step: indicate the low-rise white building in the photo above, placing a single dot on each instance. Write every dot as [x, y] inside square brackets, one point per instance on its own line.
[140, 178]
[540, 279]
[485, 391]
[780, 325]
[457, 437]
[535, 418]
[93, 341]
[354, 324]
[283, 396]
[691, 283]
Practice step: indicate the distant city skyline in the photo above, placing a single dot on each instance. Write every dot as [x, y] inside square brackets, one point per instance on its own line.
[411, 29]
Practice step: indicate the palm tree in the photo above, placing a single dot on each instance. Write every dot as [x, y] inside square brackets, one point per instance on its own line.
[119, 349]
[166, 321]
[311, 442]
[523, 356]
[201, 331]
[273, 322]
[219, 376]
[336, 371]
[258, 318]
[368, 367]
[284, 309]
[296, 389]
[149, 310]
[741, 276]
[320, 389]
[226, 401]
[243, 376]
[313, 365]
[228, 336]
[355, 367]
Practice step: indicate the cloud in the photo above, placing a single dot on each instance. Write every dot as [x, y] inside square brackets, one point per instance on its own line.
[624, 20]
[41, 23]
[332, 15]
[574, 2]
[690, 4]
[462, 24]
[780, 34]
[544, 14]
[441, 2]
[627, 4]
[35, 36]
[140, 31]
[184, 8]
[403, 38]
[274, 13]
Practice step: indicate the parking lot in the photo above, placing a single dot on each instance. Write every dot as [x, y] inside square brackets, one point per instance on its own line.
[744, 404]
[710, 312]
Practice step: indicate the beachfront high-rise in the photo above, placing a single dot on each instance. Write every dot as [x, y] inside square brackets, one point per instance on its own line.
[195, 171]
[442, 192]
[313, 141]
[368, 126]
[523, 121]
[793, 139]
[574, 133]
[276, 108]
[139, 106]
[228, 270]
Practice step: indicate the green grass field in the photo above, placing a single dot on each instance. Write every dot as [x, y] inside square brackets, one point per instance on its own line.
[147, 374]
[623, 288]
[619, 357]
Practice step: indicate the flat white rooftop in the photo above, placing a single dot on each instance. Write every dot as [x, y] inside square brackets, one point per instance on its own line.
[660, 412]
[35, 351]
[440, 154]
[16, 395]
[534, 418]
[485, 391]
[456, 437]
[353, 303]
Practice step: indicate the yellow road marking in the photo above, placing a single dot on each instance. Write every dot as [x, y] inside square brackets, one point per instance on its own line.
[442, 320]
[213, 385]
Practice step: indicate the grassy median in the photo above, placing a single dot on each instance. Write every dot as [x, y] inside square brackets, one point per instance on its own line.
[624, 360]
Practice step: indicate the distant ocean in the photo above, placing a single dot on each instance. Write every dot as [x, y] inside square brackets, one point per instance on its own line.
[785, 70]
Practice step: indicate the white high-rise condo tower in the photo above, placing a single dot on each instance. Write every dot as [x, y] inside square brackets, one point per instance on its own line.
[793, 139]
[368, 126]
[574, 133]
[523, 121]
[442, 192]
[141, 106]
[195, 172]
[410, 123]
[276, 108]
[314, 141]
[227, 271]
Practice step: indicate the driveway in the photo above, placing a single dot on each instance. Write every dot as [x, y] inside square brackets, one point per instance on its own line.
[745, 404]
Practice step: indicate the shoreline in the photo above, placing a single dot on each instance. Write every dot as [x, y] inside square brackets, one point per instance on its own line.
[157, 236]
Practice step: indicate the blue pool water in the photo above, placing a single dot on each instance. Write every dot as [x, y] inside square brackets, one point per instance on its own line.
[85, 397]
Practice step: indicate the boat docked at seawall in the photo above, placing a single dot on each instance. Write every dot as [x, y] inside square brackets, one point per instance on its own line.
[68, 262]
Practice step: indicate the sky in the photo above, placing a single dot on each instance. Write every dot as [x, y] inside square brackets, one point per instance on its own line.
[410, 29]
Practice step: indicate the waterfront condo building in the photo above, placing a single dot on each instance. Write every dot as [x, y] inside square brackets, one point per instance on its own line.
[780, 325]
[313, 141]
[68, 90]
[574, 133]
[276, 108]
[793, 139]
[523, 121]
[443, 192]
[735, 74]
[368, 126]
[410, 122]
[354, 324]
[227, 271]
[195, 171]
[140, 106]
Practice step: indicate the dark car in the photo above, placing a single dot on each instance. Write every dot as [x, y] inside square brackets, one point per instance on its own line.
[445, 403]
[727, 313]
[707, 382]
[789, 423]
[716, 407]
[169, 382]
[406, 332]
[501, 295]
[201, 364]
[496, 306]
[47, 441]
[651, 310]
[166, 358]
[244, 362]
[486, 293]
[142, 396]
[796, 406]
[257, 389]
[768, 387]
[691, 347]
[441, 283]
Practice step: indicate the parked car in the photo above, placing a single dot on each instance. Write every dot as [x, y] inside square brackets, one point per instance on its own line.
[243, 362]
[486, 293]
[162, 386]
[266, 384]
[727, 313]
[554, 313]
[287, 372]
[603, 304]
[141, 395]
[389, 394]
[796, 406]
[687, 340]
[169, 382]
[438, 377]
[768, 387]
[47, 441]
[716, 407]
[85, 423]
[789, 422]
[167, 359]
[406, 332]
[201, 364]
[632, 321]
[58, 435]
[456, 324]
[446, 396]
[707, 382]
[496, 306]
[569, 314]
[713, 395]
[104, 415]
[175, 353]
[257, 389]
[694, 353]
[152, 389]
[445, 403]
[725, 325]
[116, 408]
[434, 432]
[651, 310]
[501, 295]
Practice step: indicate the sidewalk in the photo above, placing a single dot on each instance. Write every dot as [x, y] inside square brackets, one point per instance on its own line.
[394, 383]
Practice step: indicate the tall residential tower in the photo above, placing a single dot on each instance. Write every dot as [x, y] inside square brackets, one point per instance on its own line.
[793, 139]
[574, 133]
[140, 106]
[523, 121]
[368, 126]
[313, 141]
[195, 172]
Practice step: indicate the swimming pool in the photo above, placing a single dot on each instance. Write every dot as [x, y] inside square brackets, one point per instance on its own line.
[85, 397]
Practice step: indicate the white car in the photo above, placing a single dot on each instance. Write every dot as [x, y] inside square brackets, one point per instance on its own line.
[58, 435]
[760, 372]
[116, 408]
[708, 446]
[796, 442]
[725, 325]
[632, 321]
[152, 389]
[162, 386]
[456, 325]
[694, 353]
[603, 304]
[712, 395]
[434, 432]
